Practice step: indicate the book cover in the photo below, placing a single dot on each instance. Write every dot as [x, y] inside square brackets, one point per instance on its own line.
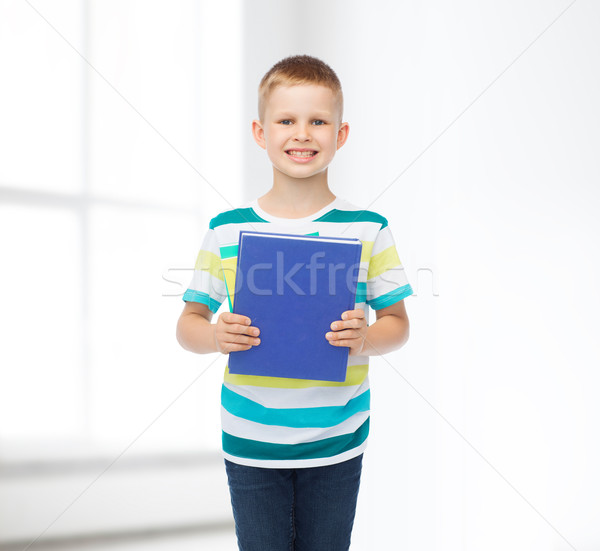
[293, 287]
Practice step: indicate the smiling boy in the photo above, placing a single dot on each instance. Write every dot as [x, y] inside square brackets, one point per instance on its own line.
[293, 448]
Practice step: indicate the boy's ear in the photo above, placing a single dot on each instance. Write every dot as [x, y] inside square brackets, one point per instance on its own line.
[342, 134]
[259, 133]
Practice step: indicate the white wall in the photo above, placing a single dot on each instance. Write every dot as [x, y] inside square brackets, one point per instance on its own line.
[484, 426]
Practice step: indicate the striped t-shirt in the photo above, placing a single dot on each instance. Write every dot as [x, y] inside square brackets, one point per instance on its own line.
[288, 423]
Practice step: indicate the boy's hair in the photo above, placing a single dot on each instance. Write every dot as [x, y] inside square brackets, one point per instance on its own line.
[299, 69]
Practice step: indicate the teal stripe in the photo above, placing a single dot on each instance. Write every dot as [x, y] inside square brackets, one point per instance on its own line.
[351, 216]
[228, 296]
[229, 251]
[328, 447]
[390, 298]
[327, 416]
[361, 292]
[236, 216]
[197, 296]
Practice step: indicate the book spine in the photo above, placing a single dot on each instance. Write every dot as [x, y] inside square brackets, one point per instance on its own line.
[356, 261]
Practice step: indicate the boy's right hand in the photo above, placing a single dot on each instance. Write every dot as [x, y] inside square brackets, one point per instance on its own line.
[233, 332]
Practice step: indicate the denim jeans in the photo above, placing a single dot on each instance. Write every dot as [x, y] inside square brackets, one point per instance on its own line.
[306, 509]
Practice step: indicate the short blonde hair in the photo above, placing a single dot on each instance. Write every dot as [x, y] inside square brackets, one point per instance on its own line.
[299, 69]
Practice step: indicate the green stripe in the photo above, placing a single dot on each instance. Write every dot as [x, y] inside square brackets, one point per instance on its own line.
[236, 216]
[327, 416]
[351, 216]
[328, 447]
[391, 298]
[228, 251]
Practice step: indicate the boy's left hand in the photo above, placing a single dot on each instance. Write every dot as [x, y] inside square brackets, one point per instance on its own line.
[350, 331]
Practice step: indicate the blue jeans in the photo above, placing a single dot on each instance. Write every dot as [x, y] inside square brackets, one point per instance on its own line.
[306, 509]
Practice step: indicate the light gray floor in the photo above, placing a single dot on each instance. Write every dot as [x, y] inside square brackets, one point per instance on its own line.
[222, 539]
[212, 540]
[208, 542]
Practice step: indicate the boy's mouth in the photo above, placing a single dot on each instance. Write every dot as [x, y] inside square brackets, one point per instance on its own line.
[301, 152]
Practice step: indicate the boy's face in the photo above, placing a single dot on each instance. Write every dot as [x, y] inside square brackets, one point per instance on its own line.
[296, 118]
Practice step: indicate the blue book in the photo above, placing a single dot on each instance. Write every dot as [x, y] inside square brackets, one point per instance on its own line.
[293, 287]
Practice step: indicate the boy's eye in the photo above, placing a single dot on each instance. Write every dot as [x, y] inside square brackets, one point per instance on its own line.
[317, 122]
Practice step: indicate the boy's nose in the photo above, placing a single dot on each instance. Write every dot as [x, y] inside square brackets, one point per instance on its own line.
[302, 131]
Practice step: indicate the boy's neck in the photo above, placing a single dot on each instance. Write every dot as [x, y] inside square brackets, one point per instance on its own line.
[296, 198]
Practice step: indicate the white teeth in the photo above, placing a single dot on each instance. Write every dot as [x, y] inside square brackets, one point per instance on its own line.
[301, 153]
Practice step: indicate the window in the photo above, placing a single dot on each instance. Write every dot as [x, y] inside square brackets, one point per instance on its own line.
[108, 179]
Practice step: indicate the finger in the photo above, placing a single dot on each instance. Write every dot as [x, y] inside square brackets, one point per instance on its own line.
[352, 314]
[357, 323]
[230, 317]
[242, 339]
[237, 347]
[343, 342]
[237, 329]
[345, 334]
[350, 324]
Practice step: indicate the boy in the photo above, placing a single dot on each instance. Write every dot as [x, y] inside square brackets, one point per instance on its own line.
[292, 447]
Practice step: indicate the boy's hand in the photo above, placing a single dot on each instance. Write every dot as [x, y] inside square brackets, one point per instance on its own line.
[350, 331]
[233, 332]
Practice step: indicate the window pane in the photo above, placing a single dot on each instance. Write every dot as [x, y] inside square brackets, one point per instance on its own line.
[40, 323]
[41, 95]
[138, 366]
[173, 113]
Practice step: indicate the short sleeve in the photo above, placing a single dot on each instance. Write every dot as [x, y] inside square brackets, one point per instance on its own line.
[207, 285]
[387, 282]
